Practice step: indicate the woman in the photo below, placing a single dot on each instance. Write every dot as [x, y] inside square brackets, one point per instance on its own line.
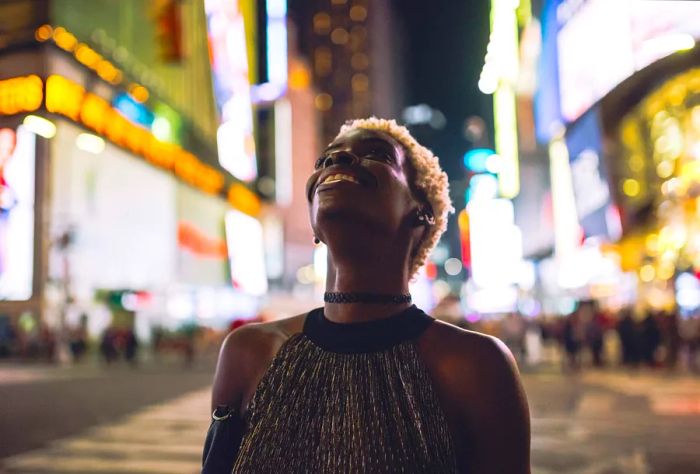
[368, 382]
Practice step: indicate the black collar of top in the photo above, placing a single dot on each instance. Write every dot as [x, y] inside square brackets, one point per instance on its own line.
[342, 297]
[368, 336]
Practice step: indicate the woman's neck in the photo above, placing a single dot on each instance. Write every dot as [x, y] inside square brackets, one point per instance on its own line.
[384, 276]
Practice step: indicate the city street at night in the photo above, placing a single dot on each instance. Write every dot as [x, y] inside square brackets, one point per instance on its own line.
[338, 201]
[154, 421]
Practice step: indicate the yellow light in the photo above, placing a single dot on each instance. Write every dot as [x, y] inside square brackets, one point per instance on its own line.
[139, 93]
[665, 169]
[90, 143]
[299, 78]
[323, 102]
[95, 113]
[695, 117]
[68, 98]
[64, 39]
[322, 23]
[340, 36]
[463, 221]
[666, 271]
[244, 199]
[507, 141]
[647, 273]
[43, 33]
[39, 125]
[21, 94]
[504, 34]
[87, 56]
[652, 243]
[631, 187]
[358, 13]
[360, 82]
[64, 96]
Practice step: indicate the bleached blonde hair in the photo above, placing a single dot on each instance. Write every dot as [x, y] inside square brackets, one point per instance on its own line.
[429, 179]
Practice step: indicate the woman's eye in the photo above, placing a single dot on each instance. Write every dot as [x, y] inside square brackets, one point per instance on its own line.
[382, 155]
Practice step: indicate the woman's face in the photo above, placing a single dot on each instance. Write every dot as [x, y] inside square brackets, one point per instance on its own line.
[363, 177]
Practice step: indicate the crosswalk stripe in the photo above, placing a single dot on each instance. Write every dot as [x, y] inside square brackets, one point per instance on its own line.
[165, 438]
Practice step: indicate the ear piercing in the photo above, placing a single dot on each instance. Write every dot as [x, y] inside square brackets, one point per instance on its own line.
[424, 218]
[316, 240]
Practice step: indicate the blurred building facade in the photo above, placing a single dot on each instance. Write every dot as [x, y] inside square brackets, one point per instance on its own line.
[354, 48]
[616, 97]
[121, 195]
[593, 114]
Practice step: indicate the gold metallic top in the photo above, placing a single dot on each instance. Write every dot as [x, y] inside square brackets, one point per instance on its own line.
[330, 409]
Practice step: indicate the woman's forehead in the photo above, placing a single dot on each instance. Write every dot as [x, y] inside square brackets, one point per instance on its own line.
[362, 136]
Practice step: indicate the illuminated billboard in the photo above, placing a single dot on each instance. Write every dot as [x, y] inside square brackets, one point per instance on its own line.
[602, 42]
[229, 64]
[17, 178]
[244, 239]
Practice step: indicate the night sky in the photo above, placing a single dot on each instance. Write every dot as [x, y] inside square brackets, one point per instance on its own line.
[444, 52]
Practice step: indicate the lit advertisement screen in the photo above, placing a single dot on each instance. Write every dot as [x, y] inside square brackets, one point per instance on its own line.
[602, 42]
[229, 64]
[590, 178]
[594, 54]
[244, 239]
[17, 176]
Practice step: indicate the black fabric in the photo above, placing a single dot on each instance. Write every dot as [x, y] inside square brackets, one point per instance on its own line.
[369, 336]
[222, 443]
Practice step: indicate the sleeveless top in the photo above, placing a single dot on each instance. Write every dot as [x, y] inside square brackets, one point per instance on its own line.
[348, 398]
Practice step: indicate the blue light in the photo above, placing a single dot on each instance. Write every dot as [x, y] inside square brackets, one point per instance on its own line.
[476, 159]
[132, 110]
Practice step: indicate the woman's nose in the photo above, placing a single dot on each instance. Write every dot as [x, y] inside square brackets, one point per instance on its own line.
[340, 158]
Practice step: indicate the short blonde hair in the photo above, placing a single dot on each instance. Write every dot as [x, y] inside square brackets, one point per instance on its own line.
[429, 178]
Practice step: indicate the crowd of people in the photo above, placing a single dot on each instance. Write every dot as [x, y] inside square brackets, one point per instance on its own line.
[590, 336]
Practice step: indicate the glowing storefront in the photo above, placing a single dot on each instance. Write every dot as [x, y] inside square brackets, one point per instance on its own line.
[122, 206]
[619, 84]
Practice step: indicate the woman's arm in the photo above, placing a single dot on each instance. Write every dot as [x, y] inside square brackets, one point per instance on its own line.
[479, 387]
[496, 413]
[232, 380]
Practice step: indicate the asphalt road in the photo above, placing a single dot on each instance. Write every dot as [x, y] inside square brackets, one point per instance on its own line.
[614, 422]
[41, 405]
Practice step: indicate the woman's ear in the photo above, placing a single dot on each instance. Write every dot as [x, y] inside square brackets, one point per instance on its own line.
[420, 232]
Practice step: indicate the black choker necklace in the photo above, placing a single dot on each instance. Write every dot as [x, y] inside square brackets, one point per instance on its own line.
[340, 297]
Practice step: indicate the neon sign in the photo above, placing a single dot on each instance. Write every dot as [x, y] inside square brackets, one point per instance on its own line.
[20, 94]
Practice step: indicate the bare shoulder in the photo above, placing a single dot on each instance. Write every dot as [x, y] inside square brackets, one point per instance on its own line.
[457, 348]
[244, 357]
[477, 381]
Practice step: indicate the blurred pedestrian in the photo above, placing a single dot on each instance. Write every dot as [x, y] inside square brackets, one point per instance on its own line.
[513, 329]
[650, 339]
[131, 345]
[108, 345]
[47, 342]
[595, 327]
[672, 338]
[690, 335]
[572, 340]
[370, 382]
[627, 330]
[8, 337]
[78, 339]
